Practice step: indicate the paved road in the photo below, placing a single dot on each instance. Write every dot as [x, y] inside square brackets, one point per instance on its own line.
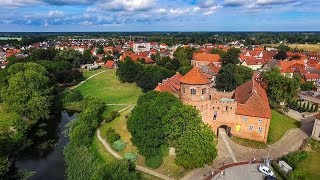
[247, 171]
[223, 134]
[310, 98]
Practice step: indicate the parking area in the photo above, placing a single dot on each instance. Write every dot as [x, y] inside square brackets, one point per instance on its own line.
[246, 171]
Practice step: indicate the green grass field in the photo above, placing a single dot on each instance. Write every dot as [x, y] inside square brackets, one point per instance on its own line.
[305, 47]
[311, 165]
[279, 125]
[108, 88]
[87, 73]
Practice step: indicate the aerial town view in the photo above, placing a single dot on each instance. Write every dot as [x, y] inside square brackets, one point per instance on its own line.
[159, 90]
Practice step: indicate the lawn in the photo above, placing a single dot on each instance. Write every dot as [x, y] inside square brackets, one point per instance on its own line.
[87, 73]
[279, 125]
[306, 47]
[249, 143]
[311, 165]
[120, 125]
[108, 88]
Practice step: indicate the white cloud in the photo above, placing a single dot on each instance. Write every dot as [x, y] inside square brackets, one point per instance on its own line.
[271, 2]
[126, 5]
[55, 14]
[17, 3]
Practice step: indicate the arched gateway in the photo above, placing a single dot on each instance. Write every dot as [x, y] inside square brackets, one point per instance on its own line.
[227, 129]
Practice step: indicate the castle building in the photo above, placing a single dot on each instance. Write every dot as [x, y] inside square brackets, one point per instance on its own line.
[244, 113]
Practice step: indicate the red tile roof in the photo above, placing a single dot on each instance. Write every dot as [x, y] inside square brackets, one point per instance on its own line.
[109, 64]
[194, 76]
[207, 57]
[291, 66]
[312, 76]
[252, 100]
[171, 85]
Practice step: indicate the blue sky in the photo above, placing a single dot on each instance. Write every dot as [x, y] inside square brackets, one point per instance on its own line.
[159, 15]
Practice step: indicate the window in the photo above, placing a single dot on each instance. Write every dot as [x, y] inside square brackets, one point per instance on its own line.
[227, 108]
[244, 118]
[260, 129]
[184, 90]
[215, 115]
[203, 90]
[250, 128]
[260, 121]
[193, 91]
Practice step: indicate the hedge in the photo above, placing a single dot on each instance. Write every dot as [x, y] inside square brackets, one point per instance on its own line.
[112, 135]
[112, 116]
[154, 161]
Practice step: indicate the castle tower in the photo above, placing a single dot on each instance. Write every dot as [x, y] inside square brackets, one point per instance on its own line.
[195, 86]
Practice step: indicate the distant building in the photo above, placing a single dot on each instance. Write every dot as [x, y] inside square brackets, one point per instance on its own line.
[140, 47]
[111, 64]
[204, 59]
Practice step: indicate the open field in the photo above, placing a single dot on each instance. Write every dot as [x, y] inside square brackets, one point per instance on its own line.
[279, 125]
[87, 73]
[311, 165]
[120, 125]
[108, 88]
[306, 47]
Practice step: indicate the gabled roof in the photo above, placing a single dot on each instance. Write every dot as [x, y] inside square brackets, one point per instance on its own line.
[109, 64]
[171, 85]
[312, 76]
[195, 76]
[252, 100]
[206, 57]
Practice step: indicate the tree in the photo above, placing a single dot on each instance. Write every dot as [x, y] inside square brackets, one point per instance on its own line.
[27, 91]
[148, 78]
[72, 56]
[195, 147]
[145, 124]
[87, 56]
[184, 70]
[281, 55]
[42, 54]
[280, 88]
[100, 50]
[283, 47]
[230, 76]
[217, 51]
[128, 70]
[308, 86]
[231, 56]
[184, 55]
[4, 166]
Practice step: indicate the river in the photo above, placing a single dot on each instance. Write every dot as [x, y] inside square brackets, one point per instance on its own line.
[49, 166]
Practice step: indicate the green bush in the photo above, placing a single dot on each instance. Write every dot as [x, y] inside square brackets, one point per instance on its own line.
[72, 96]
[276, 168]
[112, 116]
[154, 161]
[131, 157]
[119, 145]
[294, 158]
[164, 150]
[112, 135]
[298, 174]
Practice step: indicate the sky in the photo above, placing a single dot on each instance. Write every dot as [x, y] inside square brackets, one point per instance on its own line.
[158, 15]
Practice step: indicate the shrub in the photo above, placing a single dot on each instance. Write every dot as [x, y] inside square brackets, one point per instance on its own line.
[112, 135]
[276, 167]
[298, 174]
[154, 161]
[294, 158]
[112, 116]
[72, 96]
[119, 145]
[131, 157]
[164, 150]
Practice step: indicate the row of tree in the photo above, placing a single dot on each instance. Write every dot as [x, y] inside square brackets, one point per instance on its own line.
[303, 107]
[147, 77]
[81, 159]
[160, 120]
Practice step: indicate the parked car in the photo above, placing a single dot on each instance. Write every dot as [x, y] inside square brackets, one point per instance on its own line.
[269, 178]
[309, 93]
[265, 170]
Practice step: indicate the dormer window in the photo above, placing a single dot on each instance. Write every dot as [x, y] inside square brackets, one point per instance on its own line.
[193, 91]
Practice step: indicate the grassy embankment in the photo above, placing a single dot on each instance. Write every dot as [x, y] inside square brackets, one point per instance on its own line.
[108, 88]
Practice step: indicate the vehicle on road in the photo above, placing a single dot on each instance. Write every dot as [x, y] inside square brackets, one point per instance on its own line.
[265, 170]
[269, 178]
[309, 93]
